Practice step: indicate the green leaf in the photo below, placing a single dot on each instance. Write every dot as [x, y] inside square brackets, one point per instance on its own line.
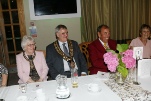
[122, 70]
[109, 50]
[122, 47]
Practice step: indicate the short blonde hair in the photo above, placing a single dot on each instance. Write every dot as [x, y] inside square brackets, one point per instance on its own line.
[26, 39]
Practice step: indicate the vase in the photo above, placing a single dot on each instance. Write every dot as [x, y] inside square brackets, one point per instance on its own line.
[112, 75]
[119, 78]
[131, 76]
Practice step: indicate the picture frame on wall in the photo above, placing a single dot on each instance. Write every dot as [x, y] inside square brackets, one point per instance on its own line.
[51, 9]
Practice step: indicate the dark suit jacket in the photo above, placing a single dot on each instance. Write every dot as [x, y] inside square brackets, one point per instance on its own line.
[96, 52]
[55, 60]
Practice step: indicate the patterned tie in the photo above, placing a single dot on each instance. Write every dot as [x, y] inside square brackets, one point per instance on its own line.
[66, 52]
[105, 46]
[65, 49]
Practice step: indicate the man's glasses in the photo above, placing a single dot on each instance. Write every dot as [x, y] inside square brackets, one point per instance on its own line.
[29, 45]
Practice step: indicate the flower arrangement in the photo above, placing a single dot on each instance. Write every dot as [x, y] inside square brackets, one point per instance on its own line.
[121, 61]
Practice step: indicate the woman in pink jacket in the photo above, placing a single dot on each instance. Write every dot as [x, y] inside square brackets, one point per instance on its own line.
[143, 41]
[31, 64]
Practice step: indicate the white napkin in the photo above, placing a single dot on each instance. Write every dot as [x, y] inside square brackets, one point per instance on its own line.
[22, 98]
[40, 95]
[144, 68]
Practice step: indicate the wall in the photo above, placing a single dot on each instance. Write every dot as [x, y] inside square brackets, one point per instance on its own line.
[46, 28]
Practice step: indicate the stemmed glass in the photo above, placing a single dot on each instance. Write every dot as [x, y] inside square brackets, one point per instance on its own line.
[23, 87]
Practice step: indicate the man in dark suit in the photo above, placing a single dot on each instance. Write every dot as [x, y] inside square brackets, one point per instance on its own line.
[98, 48]
[64, 54]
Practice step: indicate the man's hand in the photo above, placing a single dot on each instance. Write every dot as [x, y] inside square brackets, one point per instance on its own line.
[83, 74]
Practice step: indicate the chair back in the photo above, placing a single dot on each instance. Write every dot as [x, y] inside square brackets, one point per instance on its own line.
[84, 49]
[128, 41]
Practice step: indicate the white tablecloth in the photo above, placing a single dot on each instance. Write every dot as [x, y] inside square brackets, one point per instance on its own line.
[77, 94]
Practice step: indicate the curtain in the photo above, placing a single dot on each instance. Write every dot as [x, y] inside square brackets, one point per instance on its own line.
[124, 17]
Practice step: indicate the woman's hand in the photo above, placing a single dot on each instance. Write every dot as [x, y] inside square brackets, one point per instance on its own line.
[40, 80]
[30, 81]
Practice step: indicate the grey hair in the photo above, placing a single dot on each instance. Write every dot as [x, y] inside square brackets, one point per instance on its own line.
[25, 41]
[57, 29]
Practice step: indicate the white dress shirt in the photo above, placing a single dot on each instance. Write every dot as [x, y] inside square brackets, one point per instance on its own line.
[103, 44]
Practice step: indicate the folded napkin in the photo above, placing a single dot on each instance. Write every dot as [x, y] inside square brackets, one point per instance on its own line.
[22, 98]
[144, 68]
[40, 95]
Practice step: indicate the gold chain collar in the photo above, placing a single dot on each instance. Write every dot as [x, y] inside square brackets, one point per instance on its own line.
[27, 58]
[65, 57]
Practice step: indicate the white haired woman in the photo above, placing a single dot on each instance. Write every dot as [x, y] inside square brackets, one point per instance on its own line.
[3, 75]
[31, 64]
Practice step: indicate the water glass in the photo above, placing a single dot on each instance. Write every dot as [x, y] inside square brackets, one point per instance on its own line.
[23, 87]
[74, 77]
[112, 75]
[74, 81]
[131, 75]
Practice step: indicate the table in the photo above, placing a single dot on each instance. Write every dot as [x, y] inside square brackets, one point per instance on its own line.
[81, 93]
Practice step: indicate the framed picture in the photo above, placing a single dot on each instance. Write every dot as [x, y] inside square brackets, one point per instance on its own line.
[51, 9]
[33, 31]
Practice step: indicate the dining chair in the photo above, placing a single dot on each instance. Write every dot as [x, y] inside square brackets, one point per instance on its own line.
[84, 49]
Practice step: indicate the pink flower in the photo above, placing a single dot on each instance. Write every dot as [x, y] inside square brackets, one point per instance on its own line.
[111, 61]
[128, 53]
[129, 61]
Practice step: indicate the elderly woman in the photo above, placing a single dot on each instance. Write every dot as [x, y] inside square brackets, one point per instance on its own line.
[142, 40]
[31, 64]
[3, 75]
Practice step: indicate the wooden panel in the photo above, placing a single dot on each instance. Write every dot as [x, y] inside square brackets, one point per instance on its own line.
[21, 17]
[14, 39]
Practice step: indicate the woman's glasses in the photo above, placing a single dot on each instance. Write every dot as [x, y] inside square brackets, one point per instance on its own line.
[29, 45]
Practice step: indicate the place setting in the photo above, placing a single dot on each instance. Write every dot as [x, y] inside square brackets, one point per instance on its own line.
[31, 92]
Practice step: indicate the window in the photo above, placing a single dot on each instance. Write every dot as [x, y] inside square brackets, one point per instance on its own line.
[50, 9]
